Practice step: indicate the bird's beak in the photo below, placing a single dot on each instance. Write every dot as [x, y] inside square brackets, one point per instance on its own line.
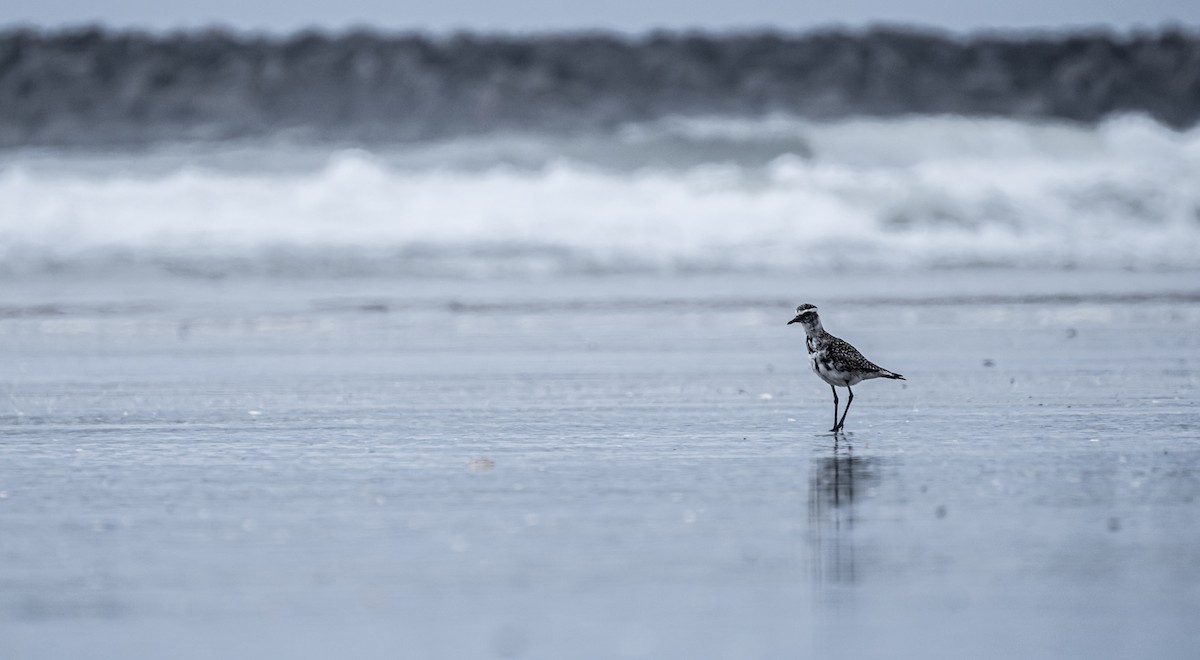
[795, 320]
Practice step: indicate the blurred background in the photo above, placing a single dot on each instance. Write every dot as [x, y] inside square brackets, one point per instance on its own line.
[471, 140]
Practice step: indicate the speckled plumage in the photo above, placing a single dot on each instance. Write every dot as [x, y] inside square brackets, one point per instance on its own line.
[838, 363]
[835, 361]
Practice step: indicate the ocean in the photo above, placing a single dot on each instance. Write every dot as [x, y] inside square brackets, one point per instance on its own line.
[526, 389]
[674, 197]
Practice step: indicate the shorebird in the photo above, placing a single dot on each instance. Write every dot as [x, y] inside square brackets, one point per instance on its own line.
[835, 361]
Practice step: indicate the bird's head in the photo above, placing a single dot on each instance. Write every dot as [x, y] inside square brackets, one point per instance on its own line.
[806, 315]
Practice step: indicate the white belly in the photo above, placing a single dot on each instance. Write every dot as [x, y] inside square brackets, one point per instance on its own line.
[825, 371]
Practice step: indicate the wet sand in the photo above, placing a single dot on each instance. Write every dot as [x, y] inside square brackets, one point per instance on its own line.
[599, 468]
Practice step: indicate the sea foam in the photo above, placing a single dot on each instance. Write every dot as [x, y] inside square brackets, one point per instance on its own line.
[681, 195]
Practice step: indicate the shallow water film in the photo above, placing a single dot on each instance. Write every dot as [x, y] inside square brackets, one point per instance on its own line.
[613, 467]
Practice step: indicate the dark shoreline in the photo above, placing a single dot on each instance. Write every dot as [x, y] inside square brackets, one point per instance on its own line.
[96, 87]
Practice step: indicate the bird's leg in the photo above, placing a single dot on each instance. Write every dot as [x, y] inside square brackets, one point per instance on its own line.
[835, 409]
[848, 402]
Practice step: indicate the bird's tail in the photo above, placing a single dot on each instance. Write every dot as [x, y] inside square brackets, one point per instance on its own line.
[884, 373]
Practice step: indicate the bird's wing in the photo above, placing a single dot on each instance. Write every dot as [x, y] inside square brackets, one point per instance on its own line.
[849, 356]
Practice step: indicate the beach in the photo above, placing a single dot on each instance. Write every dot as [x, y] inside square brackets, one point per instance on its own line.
[599, 466]
[293, 379]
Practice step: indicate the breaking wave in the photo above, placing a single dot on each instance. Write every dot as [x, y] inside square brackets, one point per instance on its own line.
[775, 194]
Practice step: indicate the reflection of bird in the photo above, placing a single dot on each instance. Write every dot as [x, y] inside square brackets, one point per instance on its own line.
[835, 361]
[834, 485]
